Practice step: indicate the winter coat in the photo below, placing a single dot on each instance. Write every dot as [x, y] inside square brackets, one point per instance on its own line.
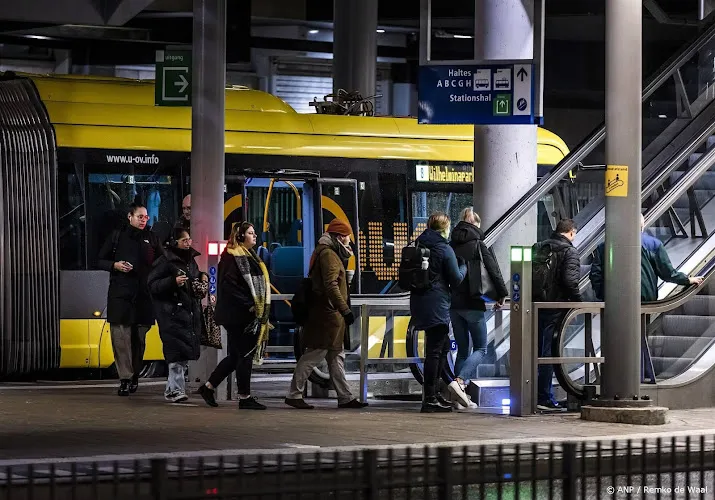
[466, 241]
[431, 308]
[177, 308]
[568, 271]
[234, 301]
[128, 299]
[655, 264]
[325, 327]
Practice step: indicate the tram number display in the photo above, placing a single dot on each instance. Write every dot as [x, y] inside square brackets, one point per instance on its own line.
[460, 174]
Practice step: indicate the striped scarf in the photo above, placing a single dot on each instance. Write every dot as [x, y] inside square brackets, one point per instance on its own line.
[255, 273]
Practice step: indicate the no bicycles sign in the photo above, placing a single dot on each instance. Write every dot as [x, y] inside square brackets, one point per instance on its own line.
[617, 180]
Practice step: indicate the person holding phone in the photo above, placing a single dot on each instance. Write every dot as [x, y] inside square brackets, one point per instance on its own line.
[128, 255]
[175, 284]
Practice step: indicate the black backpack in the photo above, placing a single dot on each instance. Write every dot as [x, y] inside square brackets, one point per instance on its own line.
[303, 297]
[411, 277]
[544, 271]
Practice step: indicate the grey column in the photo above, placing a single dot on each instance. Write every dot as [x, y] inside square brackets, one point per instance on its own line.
[620, 333]
[207, 139]
[355, 46]
[504, 155]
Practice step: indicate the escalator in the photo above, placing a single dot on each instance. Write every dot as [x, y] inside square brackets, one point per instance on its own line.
[678, 180]
[680, 348]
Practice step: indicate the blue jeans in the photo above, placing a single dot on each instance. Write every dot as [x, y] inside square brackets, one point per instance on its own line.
[176, 382]
[466, 323]
[549, 320]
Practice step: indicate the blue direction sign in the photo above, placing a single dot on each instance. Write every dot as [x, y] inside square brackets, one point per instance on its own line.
[493, 94]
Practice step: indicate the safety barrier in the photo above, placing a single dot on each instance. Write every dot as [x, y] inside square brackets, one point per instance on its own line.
[671, 467]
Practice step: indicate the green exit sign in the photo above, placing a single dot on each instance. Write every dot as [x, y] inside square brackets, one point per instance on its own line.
[502, 105]
[172, 86]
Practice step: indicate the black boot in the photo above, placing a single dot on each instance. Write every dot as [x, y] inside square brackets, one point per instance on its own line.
[134, 385]
[443, 401]
[432, 405]
[123, 388]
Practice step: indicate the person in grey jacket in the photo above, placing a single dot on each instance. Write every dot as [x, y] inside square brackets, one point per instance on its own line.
[430, 311]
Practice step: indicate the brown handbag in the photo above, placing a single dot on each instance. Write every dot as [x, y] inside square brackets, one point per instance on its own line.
[210, 331]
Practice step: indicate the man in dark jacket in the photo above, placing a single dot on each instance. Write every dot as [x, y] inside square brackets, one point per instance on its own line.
[184, 221]
[128, 255]
[655, 264]
[563, 288]
[468, 304]
[430, 312]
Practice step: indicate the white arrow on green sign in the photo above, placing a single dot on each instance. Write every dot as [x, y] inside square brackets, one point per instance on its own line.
[173, 78]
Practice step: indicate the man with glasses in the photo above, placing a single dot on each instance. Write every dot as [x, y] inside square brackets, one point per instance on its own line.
[128, 255]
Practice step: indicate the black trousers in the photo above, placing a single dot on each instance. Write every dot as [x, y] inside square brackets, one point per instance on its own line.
[436, 350]
[240, 359]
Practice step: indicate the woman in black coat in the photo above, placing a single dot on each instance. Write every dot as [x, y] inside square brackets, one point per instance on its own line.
[177, 287]
[468, 305]
[128, 255]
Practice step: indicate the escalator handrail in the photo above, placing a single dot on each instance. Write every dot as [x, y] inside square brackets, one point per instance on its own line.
[571, 160]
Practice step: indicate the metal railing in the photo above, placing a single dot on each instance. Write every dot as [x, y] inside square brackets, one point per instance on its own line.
[670, 467]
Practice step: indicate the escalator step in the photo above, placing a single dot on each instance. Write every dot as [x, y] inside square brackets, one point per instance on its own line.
[678, 347]
[669, 367]
[681, 325]
[709, 288]
[700, 305]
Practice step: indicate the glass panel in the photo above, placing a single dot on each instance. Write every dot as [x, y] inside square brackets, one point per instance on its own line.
[109, 194]
[72, 217]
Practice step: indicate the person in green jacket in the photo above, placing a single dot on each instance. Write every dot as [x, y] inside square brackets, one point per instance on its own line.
[655, 264]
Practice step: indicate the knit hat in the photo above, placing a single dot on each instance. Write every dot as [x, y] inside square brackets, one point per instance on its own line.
[339, 227]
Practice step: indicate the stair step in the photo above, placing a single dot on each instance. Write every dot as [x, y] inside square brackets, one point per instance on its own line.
[681, 325]
[700, 305]
[677, 347]
[670, 367]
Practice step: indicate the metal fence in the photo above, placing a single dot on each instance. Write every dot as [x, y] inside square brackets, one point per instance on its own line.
[677, 467]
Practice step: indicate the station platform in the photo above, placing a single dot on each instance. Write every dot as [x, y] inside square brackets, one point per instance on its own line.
[70, 419]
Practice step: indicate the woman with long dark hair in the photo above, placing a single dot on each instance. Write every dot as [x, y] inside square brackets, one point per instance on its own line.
[242, 308]
[177, 287]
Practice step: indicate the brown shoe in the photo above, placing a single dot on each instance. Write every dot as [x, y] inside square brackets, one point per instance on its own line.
[298, 403]
[353, 404]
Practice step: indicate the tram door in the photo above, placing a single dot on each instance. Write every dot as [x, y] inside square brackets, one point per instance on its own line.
[290, 214]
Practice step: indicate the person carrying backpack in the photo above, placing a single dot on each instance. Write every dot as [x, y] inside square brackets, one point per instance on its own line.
[430, 302]
[484, 279]
[328, 317]
[556, 272]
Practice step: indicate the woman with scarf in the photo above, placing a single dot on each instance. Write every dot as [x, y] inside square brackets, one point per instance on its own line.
[329, 317]
[177, 287]
[242, 308]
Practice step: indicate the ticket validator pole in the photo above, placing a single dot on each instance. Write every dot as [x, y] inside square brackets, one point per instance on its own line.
[215, 248]
[522, 386]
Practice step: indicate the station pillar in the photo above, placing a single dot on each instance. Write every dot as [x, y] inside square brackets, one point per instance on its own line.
[620, 337]
[355, 46]
[505, 162]
[207, 142]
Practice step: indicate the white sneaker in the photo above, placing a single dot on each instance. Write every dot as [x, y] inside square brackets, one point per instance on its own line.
[176, 397]
[459, 395]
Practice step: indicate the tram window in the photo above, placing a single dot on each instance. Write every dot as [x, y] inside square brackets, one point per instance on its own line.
[71, 207]
[109, 194]
[426, 203]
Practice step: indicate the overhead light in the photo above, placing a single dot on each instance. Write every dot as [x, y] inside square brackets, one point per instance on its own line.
[38, 37]
[662, 116]
[313, 32]
[380, 31]
[463, 36]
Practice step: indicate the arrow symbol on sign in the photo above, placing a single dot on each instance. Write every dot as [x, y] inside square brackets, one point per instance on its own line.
[522, 74]
[182, 83]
